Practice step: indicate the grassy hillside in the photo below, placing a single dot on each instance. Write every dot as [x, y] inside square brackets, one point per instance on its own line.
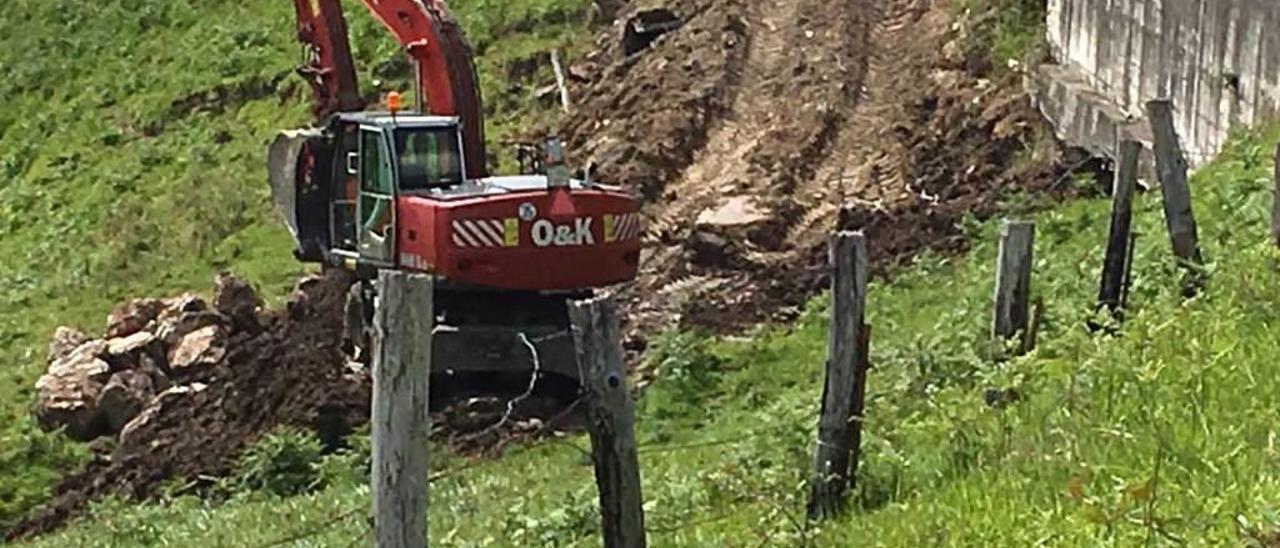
[132, 149]
[1163, 434]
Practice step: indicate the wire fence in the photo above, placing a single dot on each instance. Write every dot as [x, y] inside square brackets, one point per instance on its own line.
[327, 526]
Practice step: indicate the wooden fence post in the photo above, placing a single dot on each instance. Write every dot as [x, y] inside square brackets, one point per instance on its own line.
[1115, 267]
[610, 421]
[400, 423]
[1128, 271]
[844, 388]
[1011, 311]
[1171, 167]
[1275, 204]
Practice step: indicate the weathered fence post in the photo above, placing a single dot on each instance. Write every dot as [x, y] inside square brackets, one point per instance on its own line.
[1275, 204]
[610, 421]
[844, 388]
[400, 423]
[1115, 267]
[1011, 309]
[1128, 271]
[1171, 168]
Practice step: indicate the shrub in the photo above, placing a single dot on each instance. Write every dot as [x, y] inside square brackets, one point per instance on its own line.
[687, 374]
[350, 465]
[285, 462]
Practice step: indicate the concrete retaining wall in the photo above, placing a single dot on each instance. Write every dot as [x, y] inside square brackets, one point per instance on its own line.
[1219, 60]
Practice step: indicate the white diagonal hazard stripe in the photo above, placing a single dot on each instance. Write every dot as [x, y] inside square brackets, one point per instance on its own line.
[627, 226]
[465, 231]
[634, 225]
[478, 232]
[492, 234]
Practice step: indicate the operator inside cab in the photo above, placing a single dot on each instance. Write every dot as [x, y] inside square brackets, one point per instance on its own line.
[429, 158]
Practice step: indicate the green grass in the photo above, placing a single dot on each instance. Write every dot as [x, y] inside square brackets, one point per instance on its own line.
[1163, 434]
[132, 153]
[1002, 32]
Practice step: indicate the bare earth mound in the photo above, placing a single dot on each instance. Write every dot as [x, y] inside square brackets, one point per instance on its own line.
[838, 115]
[280, 368]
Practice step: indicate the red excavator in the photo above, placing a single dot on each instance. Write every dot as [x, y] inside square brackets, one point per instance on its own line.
[411, 190]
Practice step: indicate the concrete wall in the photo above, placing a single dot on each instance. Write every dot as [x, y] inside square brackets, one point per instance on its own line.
[1219, 60]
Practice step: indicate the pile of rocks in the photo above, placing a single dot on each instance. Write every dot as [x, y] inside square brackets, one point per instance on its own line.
[187, 384]
[153, 350]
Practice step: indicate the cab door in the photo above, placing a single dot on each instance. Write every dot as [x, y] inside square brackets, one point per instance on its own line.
[345, 189]
[375, 210]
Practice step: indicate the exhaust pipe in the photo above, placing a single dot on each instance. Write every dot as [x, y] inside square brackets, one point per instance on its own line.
[557, 172]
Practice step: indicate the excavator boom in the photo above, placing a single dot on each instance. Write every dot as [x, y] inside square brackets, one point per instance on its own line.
[444, 73]
[446, 77]
[327, 62]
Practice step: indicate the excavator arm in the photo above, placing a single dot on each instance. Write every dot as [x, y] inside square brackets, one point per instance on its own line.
[445, 71]
[326, 63]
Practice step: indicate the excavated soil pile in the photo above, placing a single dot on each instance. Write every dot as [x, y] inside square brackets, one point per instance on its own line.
[177, 388]
[642, 118]
[214, 394]
[757, 129]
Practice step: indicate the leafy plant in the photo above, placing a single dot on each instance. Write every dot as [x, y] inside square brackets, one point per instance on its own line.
[351, 464]
[285, 462]
[1002, 33]
[686, 373]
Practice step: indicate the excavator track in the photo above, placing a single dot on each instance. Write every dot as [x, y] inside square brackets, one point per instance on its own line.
[485, 342]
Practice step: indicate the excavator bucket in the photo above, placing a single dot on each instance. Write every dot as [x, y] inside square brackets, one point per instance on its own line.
[282, 171]
[296, 196]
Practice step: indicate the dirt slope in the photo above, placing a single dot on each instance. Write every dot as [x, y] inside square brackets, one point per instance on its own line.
[837, 114]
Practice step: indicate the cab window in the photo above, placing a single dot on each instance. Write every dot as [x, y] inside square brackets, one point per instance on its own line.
[375, 171]
[429, 158]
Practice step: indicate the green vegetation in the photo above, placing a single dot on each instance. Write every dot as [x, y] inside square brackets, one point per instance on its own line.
[999, 33]
[1163, 433]
[512, 41]
[286, 462]
[132, 153]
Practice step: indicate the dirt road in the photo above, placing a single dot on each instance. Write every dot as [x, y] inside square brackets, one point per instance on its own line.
[821, 115]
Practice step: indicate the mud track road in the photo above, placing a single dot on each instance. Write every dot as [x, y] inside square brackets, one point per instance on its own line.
[796, 86]
[760, 127]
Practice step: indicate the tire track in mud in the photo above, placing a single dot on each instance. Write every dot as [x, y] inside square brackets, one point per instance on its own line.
[723, 163]
[826, 115]
[643, 118]
[721, 167]
[794, 90]
[866, 167]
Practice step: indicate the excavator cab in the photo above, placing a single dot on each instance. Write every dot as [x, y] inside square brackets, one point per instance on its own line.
[382, 157]
[347, 212]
